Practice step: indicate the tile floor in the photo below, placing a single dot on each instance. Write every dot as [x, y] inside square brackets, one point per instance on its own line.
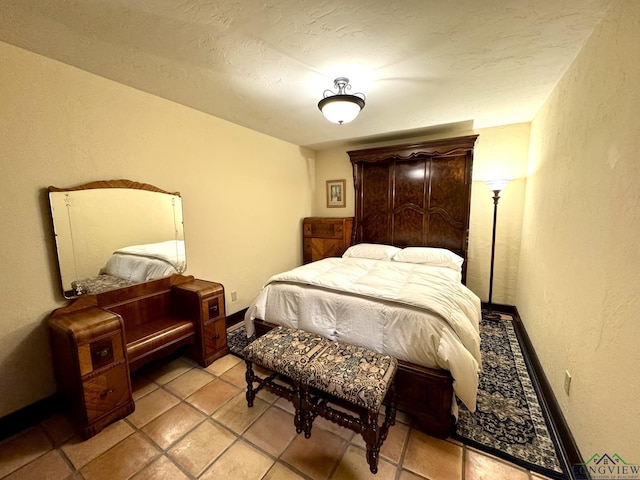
[194, 423]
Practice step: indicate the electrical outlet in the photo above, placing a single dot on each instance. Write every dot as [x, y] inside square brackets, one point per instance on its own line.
[234, 295]
[567, 382]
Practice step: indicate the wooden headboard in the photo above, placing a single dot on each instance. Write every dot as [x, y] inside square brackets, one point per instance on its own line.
[415, 195]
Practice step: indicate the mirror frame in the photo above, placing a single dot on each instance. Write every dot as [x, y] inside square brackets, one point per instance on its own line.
[96, 185]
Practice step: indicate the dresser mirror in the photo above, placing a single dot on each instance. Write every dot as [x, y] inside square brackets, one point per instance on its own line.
[115, 233]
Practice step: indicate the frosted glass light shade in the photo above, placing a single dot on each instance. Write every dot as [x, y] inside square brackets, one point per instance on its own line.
[341, 108]
[497, 184]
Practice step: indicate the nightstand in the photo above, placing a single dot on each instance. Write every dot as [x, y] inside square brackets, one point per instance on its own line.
[325, 237]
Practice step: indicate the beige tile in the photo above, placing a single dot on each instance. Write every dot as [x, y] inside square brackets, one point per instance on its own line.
[60, 428]
[273, 431]
[214, 394]
[334, 428]
[536, 476]
[266, 395]
[285, 405]
[161, 469]
[200, 447]
[237, 416]
[236, 375]
[141, 385]
[315, 456]
[354, 466]
[281, 472]
[241, 461]
[164, 371]
[393, 445]
[223, 364]
[407, 475]
[483, 467]
[433, 458]
[22, 448]
[173, 424]
[82, 452]
[189, 382]
[455, 442]
[50, 466]
[122, 461]
[152, 406]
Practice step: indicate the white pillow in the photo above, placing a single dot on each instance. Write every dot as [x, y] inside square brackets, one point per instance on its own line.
[372, 251]
[439, 257]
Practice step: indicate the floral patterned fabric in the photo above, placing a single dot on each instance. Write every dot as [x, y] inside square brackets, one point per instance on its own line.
[98, 284]
[349, 372]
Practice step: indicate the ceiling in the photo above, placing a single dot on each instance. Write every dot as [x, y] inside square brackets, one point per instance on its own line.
[265, 64]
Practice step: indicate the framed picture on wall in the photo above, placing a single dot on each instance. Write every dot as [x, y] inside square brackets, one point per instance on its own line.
[336, 193]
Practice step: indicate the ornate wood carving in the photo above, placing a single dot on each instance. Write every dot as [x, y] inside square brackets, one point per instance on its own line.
[415, 194]
[121, 183]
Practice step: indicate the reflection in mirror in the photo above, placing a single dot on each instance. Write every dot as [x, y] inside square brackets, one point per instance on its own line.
[111, 234]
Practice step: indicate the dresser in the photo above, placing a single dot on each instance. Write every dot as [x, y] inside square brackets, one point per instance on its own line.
[98, 340]
[325, 237]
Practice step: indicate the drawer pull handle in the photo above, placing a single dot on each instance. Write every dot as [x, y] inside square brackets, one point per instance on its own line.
[107, 392]
[104, 352]
[216, 336]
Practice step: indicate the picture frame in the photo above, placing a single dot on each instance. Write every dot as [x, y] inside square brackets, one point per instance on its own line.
[336, 193]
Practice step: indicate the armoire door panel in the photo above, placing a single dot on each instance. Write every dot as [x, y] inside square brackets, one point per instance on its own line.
[409, 182]
[415, 194]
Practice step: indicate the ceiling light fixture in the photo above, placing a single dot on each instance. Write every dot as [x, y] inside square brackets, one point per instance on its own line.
[341, 107]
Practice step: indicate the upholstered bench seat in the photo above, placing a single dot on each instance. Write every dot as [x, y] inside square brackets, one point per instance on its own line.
[322, 372]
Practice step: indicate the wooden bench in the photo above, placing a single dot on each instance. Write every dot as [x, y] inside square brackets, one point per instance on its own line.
[314, 373]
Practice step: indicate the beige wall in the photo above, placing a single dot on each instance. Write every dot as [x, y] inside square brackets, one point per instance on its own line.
[500, 152]
[579, 269]
[244, 194]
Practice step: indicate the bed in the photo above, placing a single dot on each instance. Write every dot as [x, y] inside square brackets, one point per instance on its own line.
[415, 195]
[135, 264]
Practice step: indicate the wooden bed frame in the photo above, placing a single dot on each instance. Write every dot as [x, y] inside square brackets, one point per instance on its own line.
[415, 195]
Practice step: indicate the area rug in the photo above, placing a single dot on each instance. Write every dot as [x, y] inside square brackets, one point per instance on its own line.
[508, 421]
[237, 339]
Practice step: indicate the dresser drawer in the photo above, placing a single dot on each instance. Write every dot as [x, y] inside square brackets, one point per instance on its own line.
[105, 392]
[324, 229]
[215, 336]
[100, 353]
[325, 237]
[212, 308]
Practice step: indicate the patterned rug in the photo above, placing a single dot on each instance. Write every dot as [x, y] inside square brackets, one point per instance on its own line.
[237, 339]
[508, 421]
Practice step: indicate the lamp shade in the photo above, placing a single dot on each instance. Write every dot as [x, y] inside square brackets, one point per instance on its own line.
[341, 108]
[497, 184]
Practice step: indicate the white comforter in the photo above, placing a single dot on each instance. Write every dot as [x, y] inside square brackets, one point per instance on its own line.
[141, 263]
[413, 312]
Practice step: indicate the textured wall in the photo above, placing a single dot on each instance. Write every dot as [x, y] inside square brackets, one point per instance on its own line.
[579, 269]
[62, 126]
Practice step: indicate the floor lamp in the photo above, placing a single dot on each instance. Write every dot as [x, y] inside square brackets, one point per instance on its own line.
[497, 186]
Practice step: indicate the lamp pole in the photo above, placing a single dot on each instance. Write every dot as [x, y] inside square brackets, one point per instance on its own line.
[496, 199]
[496, 186]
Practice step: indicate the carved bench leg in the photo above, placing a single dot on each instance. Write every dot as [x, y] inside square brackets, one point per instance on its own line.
[249, 376]
[389, 413]
[307, 410]
[371, 436]
[298, 418]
